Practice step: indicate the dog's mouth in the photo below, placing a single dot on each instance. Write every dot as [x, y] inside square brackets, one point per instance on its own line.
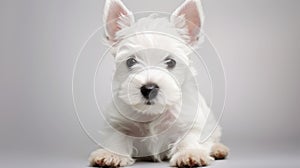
[149, 102]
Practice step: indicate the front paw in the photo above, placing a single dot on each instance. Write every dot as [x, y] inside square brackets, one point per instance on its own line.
[190, 158]
[104, 158]
[219, 151]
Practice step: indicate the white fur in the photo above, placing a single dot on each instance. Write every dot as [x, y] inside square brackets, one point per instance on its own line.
[150, 40]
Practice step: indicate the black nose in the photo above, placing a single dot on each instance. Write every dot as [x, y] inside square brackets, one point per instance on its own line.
[149, 91]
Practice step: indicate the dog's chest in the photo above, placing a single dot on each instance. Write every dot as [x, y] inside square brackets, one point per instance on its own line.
[159, 125]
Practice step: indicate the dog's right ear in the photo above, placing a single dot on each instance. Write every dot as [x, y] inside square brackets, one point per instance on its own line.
[116, 17]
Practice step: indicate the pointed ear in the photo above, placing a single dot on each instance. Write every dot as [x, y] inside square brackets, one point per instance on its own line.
[188, 18]
[116, 17]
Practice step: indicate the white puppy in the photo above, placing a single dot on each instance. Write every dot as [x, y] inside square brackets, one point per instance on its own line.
[156, 109]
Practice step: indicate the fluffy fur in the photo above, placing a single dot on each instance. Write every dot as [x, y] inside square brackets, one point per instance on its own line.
[167, 128]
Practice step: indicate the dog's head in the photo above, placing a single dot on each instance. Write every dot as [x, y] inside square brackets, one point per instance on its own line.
[151, 54]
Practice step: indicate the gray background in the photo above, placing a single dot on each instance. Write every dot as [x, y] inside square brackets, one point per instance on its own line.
[259, 43]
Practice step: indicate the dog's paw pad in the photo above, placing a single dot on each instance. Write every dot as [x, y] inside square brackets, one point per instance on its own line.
[103, 158]
[190, 158]
[219, 151]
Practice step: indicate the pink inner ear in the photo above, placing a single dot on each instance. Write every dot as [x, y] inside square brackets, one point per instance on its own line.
[115, 11]
[191, 14]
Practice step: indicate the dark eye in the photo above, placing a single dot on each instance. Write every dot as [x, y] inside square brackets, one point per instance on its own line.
[130, 62]
[170, 63]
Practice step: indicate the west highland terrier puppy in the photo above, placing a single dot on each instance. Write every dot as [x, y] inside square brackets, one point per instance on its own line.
[156, 100]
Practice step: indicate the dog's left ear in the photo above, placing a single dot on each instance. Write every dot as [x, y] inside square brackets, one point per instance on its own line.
[116, 17]
[188, 19]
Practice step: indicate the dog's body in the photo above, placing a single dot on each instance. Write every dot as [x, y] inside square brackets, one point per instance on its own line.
[156, 100]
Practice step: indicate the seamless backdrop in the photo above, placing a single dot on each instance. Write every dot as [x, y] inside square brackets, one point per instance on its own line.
[259, 43]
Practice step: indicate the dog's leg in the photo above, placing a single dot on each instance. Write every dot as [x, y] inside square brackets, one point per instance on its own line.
[188, 152]
[105, 158]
